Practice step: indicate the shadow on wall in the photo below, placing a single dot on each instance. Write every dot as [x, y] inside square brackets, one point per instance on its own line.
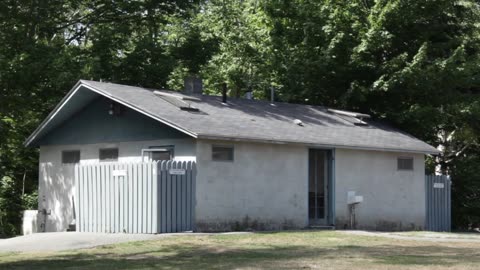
[55, 197]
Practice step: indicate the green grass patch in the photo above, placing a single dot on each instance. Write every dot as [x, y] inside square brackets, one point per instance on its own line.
[273, 250]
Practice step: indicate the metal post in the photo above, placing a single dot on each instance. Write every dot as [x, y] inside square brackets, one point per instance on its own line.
[272, 94]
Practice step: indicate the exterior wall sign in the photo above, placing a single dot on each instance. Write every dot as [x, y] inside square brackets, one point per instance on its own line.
[438, 185]
[119, 173]
[177, 171]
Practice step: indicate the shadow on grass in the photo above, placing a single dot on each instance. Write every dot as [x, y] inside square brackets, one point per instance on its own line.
[197, 256]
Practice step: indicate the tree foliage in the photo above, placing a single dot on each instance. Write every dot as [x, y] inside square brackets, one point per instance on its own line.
[413, 63]
[10, 207]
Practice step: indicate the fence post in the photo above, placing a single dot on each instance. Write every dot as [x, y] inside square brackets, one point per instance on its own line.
[76, 211]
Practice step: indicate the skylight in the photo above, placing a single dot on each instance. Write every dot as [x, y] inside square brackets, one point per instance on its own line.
[352, 117]
[178, 101]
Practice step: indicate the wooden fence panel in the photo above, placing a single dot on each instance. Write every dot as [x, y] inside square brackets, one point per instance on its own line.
[163, 197]
[147, 197]
[438, 203]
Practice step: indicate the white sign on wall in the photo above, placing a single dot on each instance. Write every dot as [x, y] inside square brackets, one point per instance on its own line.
[177, 171]
[438, 185]
[119, 172]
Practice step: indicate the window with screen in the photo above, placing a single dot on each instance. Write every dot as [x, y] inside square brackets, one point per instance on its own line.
[158, 153]
[405, 163]
[222, 153]
[108, 154]
[71, 157]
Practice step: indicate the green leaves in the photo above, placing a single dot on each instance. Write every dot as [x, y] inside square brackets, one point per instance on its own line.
[238, 34]
[413, 63]
[10, 207]
[46, 46]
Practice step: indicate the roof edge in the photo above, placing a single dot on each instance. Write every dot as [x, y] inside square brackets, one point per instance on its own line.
[55, 110]
[331, 146]
[140, 110]
[71, 93]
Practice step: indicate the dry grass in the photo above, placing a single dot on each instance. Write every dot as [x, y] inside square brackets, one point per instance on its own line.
[280, 250]
[441, 235]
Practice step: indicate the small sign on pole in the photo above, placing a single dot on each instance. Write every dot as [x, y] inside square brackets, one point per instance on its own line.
[177, 171]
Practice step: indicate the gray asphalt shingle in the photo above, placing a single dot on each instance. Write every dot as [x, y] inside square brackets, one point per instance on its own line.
[254, 120]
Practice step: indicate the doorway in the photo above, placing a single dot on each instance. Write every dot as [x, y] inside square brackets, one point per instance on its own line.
[318, 186]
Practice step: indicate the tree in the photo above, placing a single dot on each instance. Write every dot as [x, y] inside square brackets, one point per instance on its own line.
[10, 207]
[411, 63]
[239, 34]
[313, 45]
[46, 46]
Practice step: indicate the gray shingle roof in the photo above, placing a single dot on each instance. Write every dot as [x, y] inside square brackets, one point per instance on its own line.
[253, 120]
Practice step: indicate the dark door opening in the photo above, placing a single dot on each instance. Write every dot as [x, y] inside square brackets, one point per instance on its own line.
[318, 186]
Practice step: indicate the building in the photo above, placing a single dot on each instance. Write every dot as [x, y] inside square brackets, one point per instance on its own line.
[260, 165]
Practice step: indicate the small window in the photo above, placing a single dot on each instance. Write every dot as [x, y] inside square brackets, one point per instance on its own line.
[109, 154]
[222, 153]
[158, 153]
[405, 163]
[71, 157]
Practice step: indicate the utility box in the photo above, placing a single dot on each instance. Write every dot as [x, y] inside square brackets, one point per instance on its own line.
[30, 224]
[352, 198]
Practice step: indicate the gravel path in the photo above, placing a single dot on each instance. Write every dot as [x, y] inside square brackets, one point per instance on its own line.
[58, 241]
[68, 240]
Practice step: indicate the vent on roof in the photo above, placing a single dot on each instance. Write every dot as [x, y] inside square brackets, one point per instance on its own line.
[353, 117]
[178, 101]
[163, 94]
[298, 122]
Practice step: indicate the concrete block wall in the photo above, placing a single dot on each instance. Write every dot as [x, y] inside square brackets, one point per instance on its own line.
[392, 199]
[264, 188]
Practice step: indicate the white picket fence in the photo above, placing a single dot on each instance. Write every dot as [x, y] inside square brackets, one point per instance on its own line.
[147, 197]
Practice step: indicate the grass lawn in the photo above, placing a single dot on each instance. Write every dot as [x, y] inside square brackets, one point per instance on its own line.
[441, 235]
[277, 250]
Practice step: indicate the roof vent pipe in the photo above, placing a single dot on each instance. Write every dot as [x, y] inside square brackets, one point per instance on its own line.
[224, 93]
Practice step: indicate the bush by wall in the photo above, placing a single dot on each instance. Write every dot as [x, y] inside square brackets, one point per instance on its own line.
[12, 203]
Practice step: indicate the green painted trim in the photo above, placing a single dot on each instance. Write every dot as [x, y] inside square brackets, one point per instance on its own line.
[93, 124]
[83, 86]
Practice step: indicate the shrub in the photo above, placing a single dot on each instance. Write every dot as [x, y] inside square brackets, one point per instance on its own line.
[10, 207]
